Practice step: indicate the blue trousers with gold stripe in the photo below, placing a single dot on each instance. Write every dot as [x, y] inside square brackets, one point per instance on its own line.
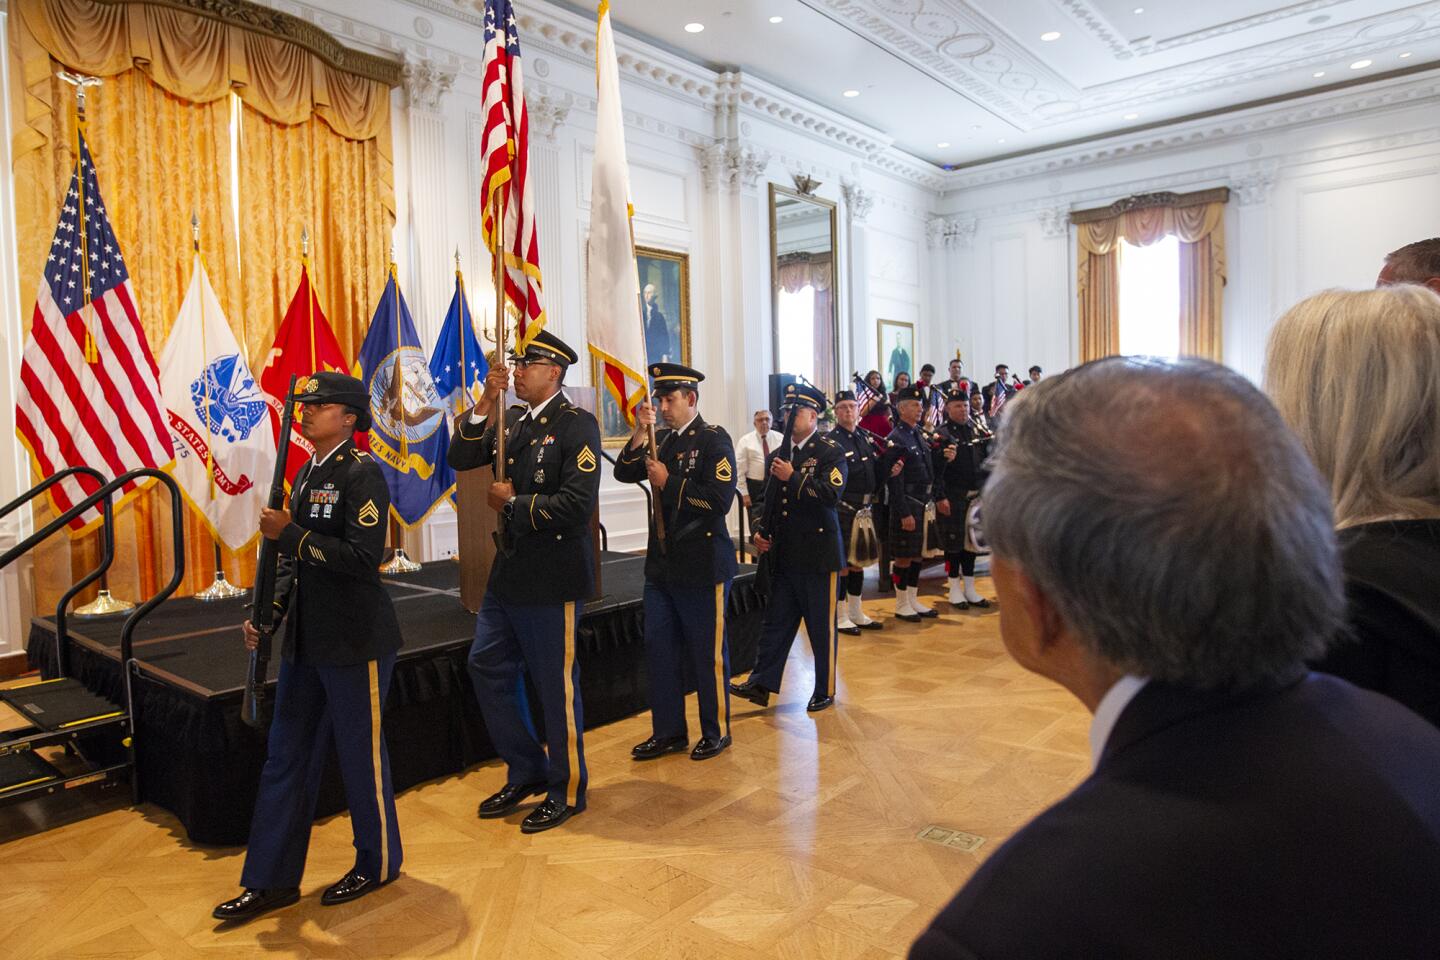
[687, 622]
[314, 706]
[796, 597]
[512, 640]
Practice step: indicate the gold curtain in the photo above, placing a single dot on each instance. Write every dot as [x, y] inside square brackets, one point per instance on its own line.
[342, 191]
[161, 139]
[1200, 228]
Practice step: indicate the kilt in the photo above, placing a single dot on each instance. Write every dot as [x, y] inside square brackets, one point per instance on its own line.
[848, 512]
[952, 528]
[907, 544]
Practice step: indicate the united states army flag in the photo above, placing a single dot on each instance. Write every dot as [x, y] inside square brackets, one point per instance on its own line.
[219, 420]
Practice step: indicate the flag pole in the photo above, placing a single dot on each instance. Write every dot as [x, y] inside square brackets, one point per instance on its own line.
[104, 601]
[460, 286]
[649, 393]
[398, 562]
[498, 415]
[220, 588]
[310, 288]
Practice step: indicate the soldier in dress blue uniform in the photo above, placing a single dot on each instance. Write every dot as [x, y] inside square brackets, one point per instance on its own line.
[856, 503]
[542, 576]
[687, 577]
[341, 636]
[909, 474]
[960, 468]
[807, 475]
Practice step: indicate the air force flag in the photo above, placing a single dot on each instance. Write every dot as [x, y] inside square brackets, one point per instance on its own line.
[458, 365]
[219, 421]
[411, 433]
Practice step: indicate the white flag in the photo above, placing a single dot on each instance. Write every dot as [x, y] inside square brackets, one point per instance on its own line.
[612, 283]
[219, 421]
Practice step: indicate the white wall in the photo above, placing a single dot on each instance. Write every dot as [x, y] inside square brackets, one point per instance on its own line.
[1321, 188]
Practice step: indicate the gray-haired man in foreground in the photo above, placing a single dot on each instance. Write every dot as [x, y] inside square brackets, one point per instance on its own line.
[1239, 806]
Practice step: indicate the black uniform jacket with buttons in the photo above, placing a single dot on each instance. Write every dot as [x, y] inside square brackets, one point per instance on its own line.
[807, 528]
[916, 484]
[554, 464]
[966, 472]
[859, 447]
[328, 581]
[696, 498]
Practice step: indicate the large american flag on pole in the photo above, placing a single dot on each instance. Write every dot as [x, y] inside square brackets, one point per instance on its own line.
[89, 387]
[505, 156]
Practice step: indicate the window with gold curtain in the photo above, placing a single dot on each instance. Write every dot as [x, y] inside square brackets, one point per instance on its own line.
[1198, 221]
[160, 128]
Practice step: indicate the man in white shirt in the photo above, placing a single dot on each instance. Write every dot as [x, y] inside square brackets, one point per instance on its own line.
[751, 453]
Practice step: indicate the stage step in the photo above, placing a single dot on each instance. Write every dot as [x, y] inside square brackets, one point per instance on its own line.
[62, 704]
[25, 771]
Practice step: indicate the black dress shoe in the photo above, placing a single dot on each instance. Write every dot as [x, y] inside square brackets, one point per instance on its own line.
[929, 613]
[658, 747]
[819, 702]
[352, 886]
[510, 796]
[872, 625]
[752, 691]
[982, 602]
[960, 604]
[548, 815]
[908, 617]
[708, 748]
[850, 631]
[254, 902]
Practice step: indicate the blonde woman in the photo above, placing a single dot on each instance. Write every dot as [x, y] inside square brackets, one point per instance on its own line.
[1357, 376]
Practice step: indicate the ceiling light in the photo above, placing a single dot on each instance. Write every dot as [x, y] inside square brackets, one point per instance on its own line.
[1052, 35]
[1360, 64]
[1001, 140]
[975, 126]
[942, 144]
[1132, 116]
[1318, 74]
[1405, 56]
[1139, 10]
[694, 27]
[852, 93]
[777, 19]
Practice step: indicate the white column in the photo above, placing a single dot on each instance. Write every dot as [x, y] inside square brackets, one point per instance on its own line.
[1249, 308]
[858, 204]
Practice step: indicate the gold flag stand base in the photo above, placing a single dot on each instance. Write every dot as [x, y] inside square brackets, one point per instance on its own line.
[399, 563]
[221, 589]
[104, 604]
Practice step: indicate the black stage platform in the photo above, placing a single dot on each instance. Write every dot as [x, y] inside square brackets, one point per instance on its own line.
[197, 760]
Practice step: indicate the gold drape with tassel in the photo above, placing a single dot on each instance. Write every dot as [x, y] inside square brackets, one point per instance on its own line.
[159, 127]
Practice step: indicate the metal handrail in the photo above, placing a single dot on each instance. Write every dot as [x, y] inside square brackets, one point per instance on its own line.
[127, 631]
[107, 550]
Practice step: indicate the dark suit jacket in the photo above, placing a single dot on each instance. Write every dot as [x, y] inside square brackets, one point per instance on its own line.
[554, 465]
[698, 550]
[1392, 584]
[328, 579]
[1299, 821]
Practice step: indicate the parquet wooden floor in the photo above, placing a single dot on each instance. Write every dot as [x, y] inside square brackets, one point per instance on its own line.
[803, 840]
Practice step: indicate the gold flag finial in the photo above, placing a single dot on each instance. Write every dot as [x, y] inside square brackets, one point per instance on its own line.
[304, 242]
[457, 258]
[195, 228]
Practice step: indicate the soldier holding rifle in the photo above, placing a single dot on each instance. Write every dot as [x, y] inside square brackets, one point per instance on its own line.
[341, 636]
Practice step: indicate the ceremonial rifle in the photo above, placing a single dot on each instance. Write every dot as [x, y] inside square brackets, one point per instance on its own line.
[255, 709]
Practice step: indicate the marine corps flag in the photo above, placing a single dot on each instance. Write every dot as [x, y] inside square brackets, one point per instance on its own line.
[304, 344]
[616, 332]
[219, 419]
[411, 433]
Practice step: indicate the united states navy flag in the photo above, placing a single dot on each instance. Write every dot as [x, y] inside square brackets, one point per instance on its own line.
[411, 432]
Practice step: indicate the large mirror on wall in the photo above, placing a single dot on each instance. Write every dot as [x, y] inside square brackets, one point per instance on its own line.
[804, 286]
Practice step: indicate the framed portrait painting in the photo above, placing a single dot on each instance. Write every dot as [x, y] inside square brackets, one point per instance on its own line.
[665, 310]
[896, 351]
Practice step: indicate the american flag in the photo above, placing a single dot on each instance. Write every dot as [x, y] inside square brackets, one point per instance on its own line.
[864, 393]
[89, 386]
[505, 155]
